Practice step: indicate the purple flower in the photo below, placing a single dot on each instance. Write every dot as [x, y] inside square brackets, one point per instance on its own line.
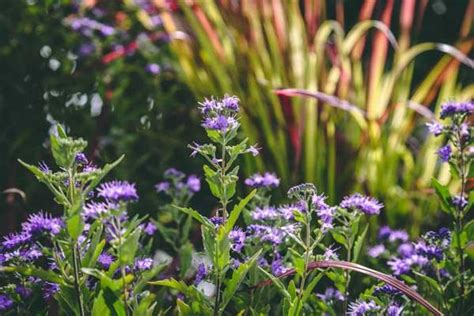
[95, 209]
[265, 213]
[86, 49]
[49, 289]
[23, 291]
[42, 223]
[201, 274]
[376, 251]
[217, 220]
[360, 308]
[220, 123]
[444, 153]
[394, 310]
[237, 238]
[90, 167]
[326, 218]
[81, 159]
[364, 204]
[330, 295]
[267, 180]
[43, 167]
[398, 235]
[254, 150]
[143, 264]
[149, 228]
[384, 232]
[430, 251]
[15, 240]
[270, 234]
[435, 128]
[162, 186]
[117, 191]
[153, 69]
[277, 265]
[193, 183]
[386, 289]
[105, 260]
[5, 302]
[330, 253]
[230, 103]
[459, 201]
[405, 250]
[453, 108]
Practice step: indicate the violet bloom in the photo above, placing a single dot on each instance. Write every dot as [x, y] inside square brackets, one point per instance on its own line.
[435, 128]
[326, 218]
[330, 295]
[143, 264]
[394, 310]
[360, 308]
[277, 265]
[149, 228]
[162, 186]
[173, 173]
[81, 159]
[23, 291]
[452, 108]
[376, 251]
[265, 213]
[5, 303]
[387, 289]
[95, 209]
[221, 114]
[405, 250]
[444, 153]
[267, 180]
[254, 150]
[50, 289]
[153, 69]
[330, 253]
[105, 260]
[363, 204]
[398, 235]
[201, 274]
[237, 238]
[384, 232]
[15, 240]
[42, 223]
[193, 183]
[217, 220]
[459, 201]
[43, 167]
[118, 191]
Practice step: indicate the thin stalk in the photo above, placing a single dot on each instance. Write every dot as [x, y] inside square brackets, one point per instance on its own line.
[460, 215]
[75, 255]
[307, 257]
[122, 268]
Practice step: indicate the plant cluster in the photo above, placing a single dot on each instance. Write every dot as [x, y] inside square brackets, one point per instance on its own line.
[256, 257]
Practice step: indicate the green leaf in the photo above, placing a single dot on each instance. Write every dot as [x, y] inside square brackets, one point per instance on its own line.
[292, 289]
[195, 214]
[443, 194]
[95, 246]
[129, 247]
[208, 241]
[183, 308]
[359, 243]
[214, 135]
[237, 277]
[280, 286]
[44, 275]
[235, 213]
[309, 289]
[75, 225]
[213, 180]
[338, 237]
[469, 230]
[185, 256]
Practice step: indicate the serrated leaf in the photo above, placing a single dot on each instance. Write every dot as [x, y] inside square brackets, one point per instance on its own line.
[213, 181]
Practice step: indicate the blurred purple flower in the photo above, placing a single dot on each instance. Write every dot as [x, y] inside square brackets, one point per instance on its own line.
[444, 153]
[364, 204]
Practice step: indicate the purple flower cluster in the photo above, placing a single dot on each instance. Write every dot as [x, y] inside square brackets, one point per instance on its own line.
[445, 153]
[81, 159]
[386, 233]
[421, 253]
[220, 115]
[363, 204]
[201, 274]
[105, 260]
[118, 191]
[143, 264]
[360, 308]
[237, 238]
[267, 180]
[450, 109]
[387, 289]
[331, 295]
[94, 210]
[178, 184]
[87, 26]
[435, 128]
[5, 303]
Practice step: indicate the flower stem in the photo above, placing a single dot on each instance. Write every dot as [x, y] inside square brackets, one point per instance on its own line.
[75, 254]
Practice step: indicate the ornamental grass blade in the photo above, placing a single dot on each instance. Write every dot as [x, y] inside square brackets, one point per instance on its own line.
[345, 265]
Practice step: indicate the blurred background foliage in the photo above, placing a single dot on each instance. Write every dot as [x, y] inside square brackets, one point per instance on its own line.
[126, 75]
